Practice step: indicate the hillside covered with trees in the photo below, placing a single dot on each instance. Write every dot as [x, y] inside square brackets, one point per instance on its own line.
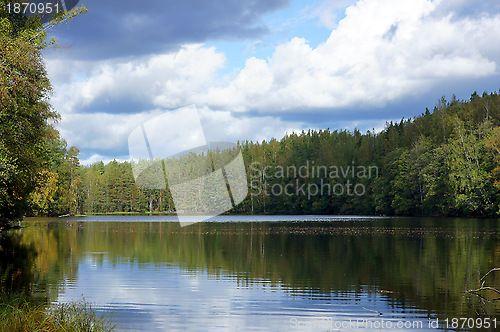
[444, 162]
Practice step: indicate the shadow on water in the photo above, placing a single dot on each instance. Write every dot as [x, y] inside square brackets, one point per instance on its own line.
[25, 301]
[30, 264]
[16, 264]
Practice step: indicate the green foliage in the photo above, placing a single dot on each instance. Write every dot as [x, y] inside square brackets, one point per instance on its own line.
[26, 117]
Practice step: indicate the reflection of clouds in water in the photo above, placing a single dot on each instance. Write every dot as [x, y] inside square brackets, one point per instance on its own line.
[150, 297]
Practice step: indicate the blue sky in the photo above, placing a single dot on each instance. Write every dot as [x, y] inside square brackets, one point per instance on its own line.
[260, 69]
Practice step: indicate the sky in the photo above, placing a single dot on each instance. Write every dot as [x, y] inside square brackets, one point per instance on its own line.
[260, 69]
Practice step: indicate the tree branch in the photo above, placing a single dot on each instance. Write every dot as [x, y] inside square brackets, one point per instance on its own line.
[482, 287]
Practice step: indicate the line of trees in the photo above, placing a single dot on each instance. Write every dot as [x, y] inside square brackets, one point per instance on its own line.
[444, 162]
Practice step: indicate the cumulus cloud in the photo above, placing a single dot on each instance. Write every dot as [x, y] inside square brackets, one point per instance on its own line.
[106, 135]
[220, 125]
[381, 51]
[168, 80]
[101, 132]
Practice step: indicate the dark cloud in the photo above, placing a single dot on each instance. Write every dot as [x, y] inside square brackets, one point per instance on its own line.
[467, 8]
[128, 28]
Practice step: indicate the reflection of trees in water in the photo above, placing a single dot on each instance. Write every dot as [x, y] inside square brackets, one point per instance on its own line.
[54, 262]
[422, 265]
[33, 262]
[16, 264]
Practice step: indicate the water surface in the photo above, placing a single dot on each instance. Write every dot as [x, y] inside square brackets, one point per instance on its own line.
[268, 273]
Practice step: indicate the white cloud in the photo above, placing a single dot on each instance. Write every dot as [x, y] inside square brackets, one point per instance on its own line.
[100, 131]
[166, 79]
[381, 51]
[224, 126]
[104, 132]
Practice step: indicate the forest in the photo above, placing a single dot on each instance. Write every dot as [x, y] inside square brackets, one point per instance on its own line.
[444, 162]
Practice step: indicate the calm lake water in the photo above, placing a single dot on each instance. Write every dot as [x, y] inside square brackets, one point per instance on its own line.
[268, 273]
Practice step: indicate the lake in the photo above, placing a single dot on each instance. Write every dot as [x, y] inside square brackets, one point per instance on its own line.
[268, 273]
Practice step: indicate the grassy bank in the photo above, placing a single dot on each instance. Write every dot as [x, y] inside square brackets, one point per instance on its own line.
[18, 314]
